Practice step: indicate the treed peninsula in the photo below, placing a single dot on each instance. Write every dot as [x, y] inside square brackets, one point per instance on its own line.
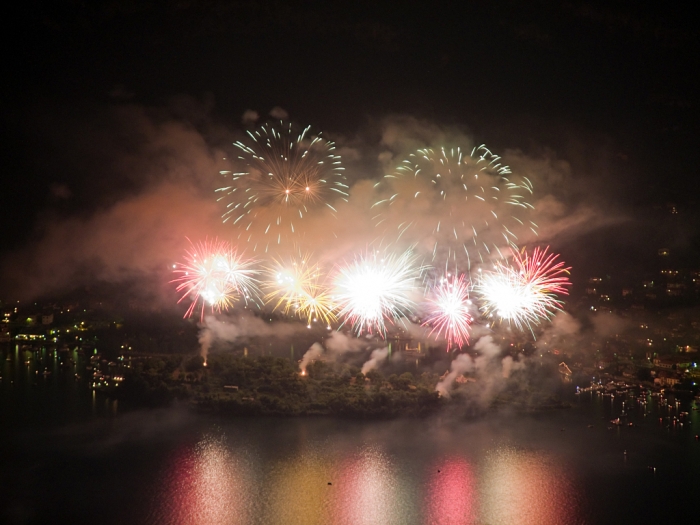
[274, 386]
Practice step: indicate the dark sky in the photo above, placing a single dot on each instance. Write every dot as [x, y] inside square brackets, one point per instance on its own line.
[611, 87]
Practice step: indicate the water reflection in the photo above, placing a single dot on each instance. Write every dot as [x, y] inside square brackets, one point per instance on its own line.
[297, 491]
[451, 489]
[213, 482]
[368, 491]
[206, 484]
[46, 384]
[521, 487]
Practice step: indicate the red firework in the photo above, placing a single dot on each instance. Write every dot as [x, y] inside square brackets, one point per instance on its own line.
[214, 273]
[450, 315]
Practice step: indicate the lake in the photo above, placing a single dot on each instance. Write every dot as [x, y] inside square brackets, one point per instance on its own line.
[71, 457]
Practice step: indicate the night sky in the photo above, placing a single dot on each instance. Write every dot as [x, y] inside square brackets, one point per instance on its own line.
[103, 101]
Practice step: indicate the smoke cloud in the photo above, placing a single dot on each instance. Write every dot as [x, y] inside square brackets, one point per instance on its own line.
[157, 188]
[375, 359]
[250, 117]
[461, 365]
[481, 366]
[313, 353]
[564, 324]
[239, 329]
[279, 113]
[607, 324]
[246, 326]
[340, 343]
[336, 345]
[509, 365]
[205, 340]
[153, 190]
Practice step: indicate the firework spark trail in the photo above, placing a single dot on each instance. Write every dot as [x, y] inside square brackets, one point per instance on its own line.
[287, 173]
[372, 290]
[297, 286]
[450, 198]
[449, 310]
[525, 292]
[214, 273]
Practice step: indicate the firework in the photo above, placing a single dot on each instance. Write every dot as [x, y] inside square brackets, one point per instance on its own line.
[373, 289]
[525, 292]
[455, 203]
[214, 274]
[297, 286]
[449, 314]
[285, 174]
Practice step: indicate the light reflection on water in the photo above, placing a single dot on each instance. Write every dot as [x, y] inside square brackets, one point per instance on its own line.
[68, 458]
[369, 491]
[451, 493]
[521, 487]
[217, 482]
[207, 484]
[296, 488]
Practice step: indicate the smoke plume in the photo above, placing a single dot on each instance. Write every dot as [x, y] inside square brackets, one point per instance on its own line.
[462, 364]
[313, 353]
[509, 365]
[237, 329]
[341, 343]
[337, 344]
[377, 356]
[482, 366]
[205, 341]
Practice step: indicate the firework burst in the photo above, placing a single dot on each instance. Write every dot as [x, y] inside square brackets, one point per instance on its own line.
[372, 290]
[286, 174]
[297, 286]
[214, 274]
[525, 292]
[455, 203]
[449, 310]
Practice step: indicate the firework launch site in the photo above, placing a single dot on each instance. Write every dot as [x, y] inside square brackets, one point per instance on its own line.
[128, 353]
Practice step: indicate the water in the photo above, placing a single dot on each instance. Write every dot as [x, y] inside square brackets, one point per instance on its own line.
[79, 460]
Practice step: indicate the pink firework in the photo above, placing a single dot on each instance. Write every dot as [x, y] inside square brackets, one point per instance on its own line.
[525, 292]
[542, 271]
[214, 274]
[450, 317]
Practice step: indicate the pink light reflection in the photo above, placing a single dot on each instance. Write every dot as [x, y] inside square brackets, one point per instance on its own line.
[366, 492]
[451, 498]
[205, 485]
[521, 487]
